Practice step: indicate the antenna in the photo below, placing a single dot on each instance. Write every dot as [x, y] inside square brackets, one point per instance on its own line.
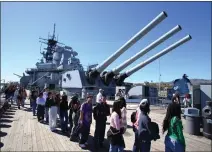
[40, 46]
[54, 32]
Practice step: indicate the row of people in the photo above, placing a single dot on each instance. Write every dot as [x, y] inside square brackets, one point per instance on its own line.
[80, 118]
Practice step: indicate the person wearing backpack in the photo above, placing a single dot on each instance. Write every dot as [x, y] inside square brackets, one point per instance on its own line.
[174, 140]
[141, 128]
[100, 113]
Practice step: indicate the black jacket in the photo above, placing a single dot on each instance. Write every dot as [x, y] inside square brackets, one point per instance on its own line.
[64, 105]
[100, 112]
[144, 127]
[50, 102]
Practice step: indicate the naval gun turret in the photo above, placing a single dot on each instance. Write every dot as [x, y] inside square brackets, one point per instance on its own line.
[108, 76]
[119, 79]
[94, 73]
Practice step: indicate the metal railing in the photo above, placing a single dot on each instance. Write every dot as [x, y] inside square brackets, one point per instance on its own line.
[156, 101]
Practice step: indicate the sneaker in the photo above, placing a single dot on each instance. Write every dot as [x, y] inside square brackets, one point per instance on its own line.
[82, 145]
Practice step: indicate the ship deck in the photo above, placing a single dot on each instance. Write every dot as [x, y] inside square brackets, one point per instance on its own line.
[20, 131]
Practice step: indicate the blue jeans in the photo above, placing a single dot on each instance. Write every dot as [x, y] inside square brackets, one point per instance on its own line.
[47, 114]
[172, 145]
[64, 123]
[115, 148]
[139, 145]
[34, 105]
[136, 143]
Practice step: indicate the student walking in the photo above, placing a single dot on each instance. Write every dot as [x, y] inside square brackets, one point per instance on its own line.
[174, 140]
[85, 121]
[41, 106]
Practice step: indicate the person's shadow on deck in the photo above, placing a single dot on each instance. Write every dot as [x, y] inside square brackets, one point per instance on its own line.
[6, 117]
[1, 145]
[2, 134]
[9, 113]
[4, 126]
[5, 121]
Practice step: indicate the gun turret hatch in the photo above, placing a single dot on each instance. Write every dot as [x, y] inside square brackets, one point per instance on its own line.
[119, 79]
[108, 76]
[92, 74]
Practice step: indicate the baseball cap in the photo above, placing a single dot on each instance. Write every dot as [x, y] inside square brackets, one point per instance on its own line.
[143, 102]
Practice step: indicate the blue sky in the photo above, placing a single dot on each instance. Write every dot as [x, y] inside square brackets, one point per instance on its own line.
[97, 29]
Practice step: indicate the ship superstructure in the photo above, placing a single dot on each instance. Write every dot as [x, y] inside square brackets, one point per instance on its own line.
[56, 59]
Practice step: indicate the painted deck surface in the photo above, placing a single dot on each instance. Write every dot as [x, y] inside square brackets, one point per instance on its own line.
[20, 131]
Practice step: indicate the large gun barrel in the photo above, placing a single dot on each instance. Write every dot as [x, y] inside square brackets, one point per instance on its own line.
[120, 78]
[132, 41]
[107, 76]
[100, 68]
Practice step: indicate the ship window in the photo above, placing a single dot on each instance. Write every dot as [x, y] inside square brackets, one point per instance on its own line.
[68, 75]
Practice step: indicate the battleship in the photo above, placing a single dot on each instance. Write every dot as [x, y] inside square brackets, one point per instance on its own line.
[60, 68]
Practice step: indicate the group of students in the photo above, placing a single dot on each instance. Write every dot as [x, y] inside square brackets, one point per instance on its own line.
[15, 93]
[145, 130]
[81, 115]
[50, 105]
[172, 124]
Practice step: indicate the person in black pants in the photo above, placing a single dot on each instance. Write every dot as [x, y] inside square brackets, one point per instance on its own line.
[41, 107]
[64, 114]
[100, 113]
[85, 121]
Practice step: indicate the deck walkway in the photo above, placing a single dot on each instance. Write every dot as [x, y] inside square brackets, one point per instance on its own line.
[20, 131]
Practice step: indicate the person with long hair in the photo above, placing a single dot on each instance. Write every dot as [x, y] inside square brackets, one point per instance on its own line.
[174, 140]
[64, 113]
[74, 114]
[114, 134]
[123, 114]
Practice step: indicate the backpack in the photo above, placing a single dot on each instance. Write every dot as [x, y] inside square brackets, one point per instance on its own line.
[154, 131]
[133, 117]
